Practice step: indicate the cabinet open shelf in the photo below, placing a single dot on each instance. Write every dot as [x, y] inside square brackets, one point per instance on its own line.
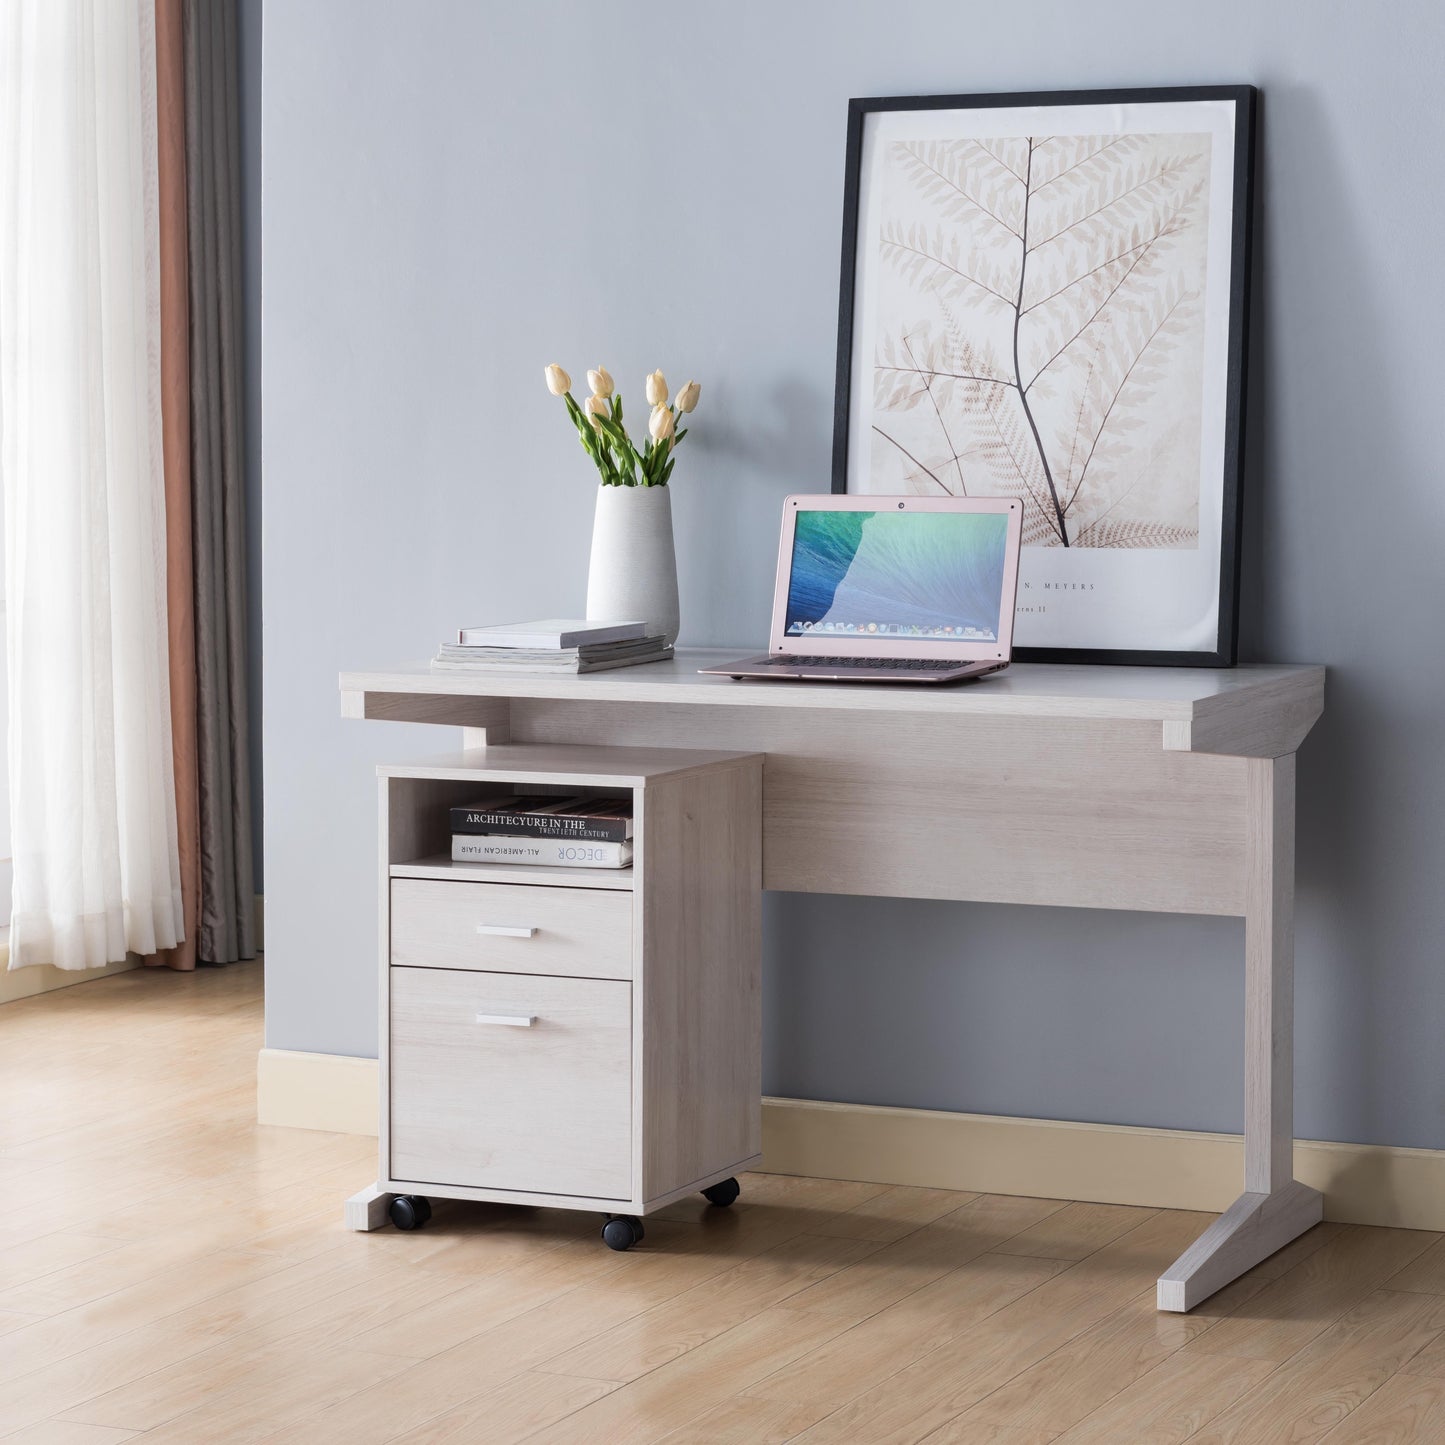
[418, 797]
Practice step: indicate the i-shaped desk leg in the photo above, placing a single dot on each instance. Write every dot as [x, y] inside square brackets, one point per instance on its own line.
[1275, 1207]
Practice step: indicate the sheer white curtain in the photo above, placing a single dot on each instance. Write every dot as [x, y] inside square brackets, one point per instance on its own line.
[93, 818]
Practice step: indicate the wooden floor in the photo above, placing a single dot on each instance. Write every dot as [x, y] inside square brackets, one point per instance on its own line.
[173, 1273]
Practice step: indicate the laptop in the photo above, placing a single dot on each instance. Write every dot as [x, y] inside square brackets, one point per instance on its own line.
[891, 589]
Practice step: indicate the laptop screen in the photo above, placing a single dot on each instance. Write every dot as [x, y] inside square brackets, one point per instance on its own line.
[898, 574]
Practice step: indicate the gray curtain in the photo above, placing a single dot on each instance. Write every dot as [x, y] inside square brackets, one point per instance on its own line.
[226, 929]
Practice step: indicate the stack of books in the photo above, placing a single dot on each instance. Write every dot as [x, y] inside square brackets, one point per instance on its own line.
[546, 830]
[555, 644]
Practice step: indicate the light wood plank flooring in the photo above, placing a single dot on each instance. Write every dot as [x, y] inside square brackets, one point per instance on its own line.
[170, 1272]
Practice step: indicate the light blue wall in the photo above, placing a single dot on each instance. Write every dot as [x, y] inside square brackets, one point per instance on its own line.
[456, 193]
[249, 61]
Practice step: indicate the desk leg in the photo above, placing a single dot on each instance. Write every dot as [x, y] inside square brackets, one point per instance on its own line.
[367, 1209]
[1275, 1207]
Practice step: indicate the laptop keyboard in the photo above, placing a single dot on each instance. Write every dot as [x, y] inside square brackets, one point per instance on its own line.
[889, 664]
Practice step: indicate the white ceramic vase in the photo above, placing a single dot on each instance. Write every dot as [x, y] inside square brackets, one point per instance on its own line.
[633, 572]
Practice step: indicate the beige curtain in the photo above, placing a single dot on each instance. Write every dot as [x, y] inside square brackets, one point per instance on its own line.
[176, 444]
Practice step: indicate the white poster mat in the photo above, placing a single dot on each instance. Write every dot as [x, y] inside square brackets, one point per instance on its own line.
[1129, 598]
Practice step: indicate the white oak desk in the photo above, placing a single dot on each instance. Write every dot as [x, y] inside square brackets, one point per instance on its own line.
[1160, 789]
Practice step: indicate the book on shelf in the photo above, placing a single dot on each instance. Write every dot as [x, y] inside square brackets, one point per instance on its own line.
[589, 657]
[538, 852]
[550, 634]
[580, 819]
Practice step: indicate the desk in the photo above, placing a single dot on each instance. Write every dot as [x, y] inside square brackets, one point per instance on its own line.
[1158, 789]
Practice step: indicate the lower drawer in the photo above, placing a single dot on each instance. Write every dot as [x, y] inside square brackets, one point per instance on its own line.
[511, 1081]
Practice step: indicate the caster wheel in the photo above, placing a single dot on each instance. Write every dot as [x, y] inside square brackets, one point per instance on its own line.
[409, 1211]
[723, 1193]
[622, 1231]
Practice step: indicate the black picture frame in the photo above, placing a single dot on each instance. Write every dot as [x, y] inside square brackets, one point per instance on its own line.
[1245, 99]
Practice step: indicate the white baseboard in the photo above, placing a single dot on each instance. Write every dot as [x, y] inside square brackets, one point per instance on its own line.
[316, 1091]
[1043, 1158]
[19, 983]
[1106, 1163]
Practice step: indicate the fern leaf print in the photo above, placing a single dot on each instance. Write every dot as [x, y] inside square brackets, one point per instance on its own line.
[1040, 330]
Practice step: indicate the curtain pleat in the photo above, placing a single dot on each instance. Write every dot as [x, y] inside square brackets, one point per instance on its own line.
[176, 440]
[226, 930]
[93, 813]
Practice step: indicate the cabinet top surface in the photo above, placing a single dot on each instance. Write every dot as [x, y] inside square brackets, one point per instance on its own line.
[1177, 694]
[571, 762]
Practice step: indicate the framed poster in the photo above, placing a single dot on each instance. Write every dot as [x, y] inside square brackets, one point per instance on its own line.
[1045, 296]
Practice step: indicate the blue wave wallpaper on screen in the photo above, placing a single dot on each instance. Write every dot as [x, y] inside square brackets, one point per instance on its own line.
[921, 574]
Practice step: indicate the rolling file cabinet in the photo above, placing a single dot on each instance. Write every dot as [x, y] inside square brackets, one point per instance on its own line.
[586, 1038]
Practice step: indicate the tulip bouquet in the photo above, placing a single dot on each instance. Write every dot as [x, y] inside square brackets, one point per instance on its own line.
[604, 437]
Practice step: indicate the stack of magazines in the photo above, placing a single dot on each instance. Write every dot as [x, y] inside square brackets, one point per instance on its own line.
[546, 830]
[551, 645]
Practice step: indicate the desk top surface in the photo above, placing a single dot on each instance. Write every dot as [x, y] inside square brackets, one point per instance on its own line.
[1163, 694]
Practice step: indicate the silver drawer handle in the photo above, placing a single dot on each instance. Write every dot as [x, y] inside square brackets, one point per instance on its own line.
[515, 1021]
[501, 930]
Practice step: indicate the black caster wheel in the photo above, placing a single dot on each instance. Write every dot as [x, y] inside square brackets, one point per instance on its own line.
[723, 1193]
[622, 1231]
[409, 1211]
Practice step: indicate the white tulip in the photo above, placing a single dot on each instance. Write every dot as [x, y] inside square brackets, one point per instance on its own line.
[596, 406]
[558, 382]
[660, 424]
[600, 381]
[656, 386]
[687, 397]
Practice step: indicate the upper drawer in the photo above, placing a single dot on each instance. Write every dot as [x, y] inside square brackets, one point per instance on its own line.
[507, 928]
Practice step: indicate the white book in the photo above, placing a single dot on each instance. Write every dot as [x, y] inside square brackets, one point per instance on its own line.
[538, 852]
[551, 633]
[587, 652]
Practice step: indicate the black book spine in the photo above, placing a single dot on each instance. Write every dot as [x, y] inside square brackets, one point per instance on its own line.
[540, 825]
